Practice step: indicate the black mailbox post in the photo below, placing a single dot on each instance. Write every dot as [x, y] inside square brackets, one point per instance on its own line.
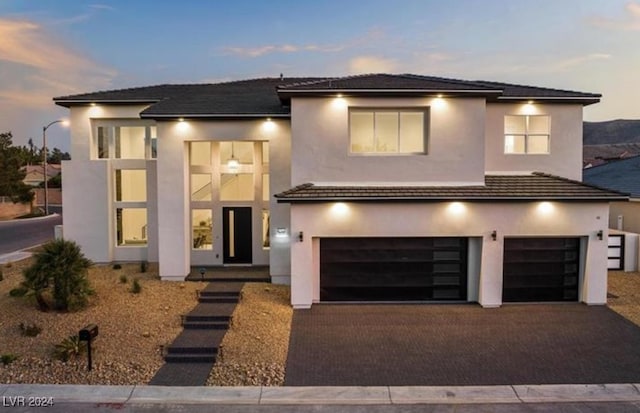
[88, 334]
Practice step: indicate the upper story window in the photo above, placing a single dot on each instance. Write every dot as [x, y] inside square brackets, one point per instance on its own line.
[526, 134]
[124, 141]
[388, 131]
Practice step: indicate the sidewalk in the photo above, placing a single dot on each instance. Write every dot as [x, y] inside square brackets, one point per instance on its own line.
[131, 396]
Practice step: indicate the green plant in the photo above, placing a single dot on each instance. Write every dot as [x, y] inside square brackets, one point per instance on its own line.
[8, 358]
[60, 267]
[136, 288]
[30, 330]
[18, 291]
[1, 275]
[123, 279]
[144, 266]
[69, 347]
[117, 266]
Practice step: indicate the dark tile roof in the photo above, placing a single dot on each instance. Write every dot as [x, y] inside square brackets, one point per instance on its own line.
[537, 186]
[269, 96]
[623, 175]
[254, 97]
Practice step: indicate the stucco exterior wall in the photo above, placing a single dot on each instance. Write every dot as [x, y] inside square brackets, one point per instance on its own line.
[565, 157]
[477, 220]
[88, 212]
[320, 147]
[174, 198]
[630, 212]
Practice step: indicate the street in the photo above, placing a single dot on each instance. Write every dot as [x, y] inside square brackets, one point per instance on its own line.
[23, 233]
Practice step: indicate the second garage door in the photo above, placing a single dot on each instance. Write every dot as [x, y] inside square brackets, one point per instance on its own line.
[541, 269]
[393, 269]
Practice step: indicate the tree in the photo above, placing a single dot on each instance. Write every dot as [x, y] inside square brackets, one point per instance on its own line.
[61, 269]
[10, 174]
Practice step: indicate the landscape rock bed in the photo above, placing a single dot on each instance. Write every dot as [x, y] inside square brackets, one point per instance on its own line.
[133, 328]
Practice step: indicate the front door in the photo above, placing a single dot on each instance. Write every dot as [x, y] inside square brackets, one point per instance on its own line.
[236, 224]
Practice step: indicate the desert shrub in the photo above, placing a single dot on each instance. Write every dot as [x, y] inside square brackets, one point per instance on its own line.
[1, 275]
[69, 347]
[9, 264]
[123, 279]
[30, 330]
[18, 291]
[8, 358]
[60, 267]
[136, 288]
[144, 266]
[117, 267]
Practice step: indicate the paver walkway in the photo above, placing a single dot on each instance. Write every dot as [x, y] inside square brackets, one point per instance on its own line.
[444, 345]
[190, 358]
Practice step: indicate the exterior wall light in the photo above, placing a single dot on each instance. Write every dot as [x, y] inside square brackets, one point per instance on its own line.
[494, 235]
[281, 232]
[300, 236]
[600, 235]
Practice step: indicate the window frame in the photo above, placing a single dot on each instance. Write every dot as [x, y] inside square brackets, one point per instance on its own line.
[110, 125]
[526, 135]
[426, 115]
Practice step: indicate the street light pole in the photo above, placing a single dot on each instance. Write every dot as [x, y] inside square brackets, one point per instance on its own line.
[44, 162]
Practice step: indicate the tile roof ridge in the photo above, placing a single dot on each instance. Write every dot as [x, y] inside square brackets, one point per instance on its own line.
[504, 84]
[325, 79]
[615, 161]
[445, 79]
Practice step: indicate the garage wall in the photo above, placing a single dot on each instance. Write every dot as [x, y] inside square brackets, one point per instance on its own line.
[450, 219]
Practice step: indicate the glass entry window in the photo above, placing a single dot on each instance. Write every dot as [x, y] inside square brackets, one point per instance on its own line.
[202, 229]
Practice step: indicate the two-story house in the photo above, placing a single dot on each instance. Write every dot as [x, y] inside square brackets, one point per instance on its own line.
[363, 188]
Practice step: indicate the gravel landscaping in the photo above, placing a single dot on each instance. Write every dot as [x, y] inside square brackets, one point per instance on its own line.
[135, 327]
[132, 328]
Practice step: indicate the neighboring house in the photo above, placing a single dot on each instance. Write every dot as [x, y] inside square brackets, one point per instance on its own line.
[622, 176]
[624, 217]
[34, 174]
[363, 188]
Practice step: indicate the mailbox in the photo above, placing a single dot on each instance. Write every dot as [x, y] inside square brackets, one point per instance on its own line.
[88, 333]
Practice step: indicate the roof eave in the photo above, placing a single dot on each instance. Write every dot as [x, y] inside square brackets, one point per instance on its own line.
[584, 100]
[67, 103]
[287, 199]
[288, 93]
[175, 116]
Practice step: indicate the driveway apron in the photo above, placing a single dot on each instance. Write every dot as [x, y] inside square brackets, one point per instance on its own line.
[412, 345]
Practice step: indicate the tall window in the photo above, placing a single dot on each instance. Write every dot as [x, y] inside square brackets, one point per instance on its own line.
[112, 141]
[131, 226]
[130, 207]
[526, 134]
[202, 229]
[388, 131]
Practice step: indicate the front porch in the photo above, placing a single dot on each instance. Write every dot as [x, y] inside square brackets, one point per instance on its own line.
[256, 273]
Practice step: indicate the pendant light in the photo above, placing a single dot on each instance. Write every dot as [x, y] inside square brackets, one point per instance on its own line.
[233, 164]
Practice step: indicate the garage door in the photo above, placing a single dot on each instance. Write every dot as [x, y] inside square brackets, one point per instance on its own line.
[393, 269]
[541, 269]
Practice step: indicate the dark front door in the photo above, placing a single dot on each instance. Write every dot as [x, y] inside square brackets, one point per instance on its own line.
[236, 224]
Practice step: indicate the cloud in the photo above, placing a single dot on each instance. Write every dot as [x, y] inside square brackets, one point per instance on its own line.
[284, 48]
[372, 64]
[371, 36]
[631, 21]
[37, 66]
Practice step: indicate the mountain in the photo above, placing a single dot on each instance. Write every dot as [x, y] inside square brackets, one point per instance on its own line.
[609, 141]
[611, 132]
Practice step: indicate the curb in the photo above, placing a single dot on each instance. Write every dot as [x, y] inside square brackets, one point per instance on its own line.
[55, 214]
[382, 395]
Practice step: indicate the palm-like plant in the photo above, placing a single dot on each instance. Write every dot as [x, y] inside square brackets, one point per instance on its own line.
[62, 268]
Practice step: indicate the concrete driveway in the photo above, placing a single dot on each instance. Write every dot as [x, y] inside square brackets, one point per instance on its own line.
[434, 345]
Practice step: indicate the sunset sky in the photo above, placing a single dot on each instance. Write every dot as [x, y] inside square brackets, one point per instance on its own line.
[52, 48]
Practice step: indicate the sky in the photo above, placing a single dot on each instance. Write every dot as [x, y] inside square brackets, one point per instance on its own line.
[54, 48]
